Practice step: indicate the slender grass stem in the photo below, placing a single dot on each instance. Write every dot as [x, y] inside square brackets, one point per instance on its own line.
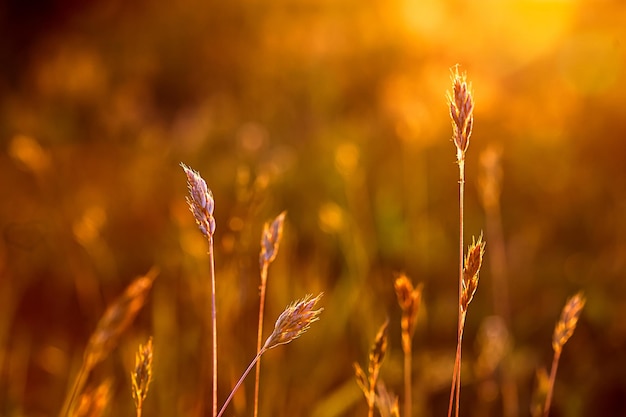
[407, 380]
[461, 314]
[264, 269]
[371, 399]
[238, 384]
[213, 323]
[455, 389]
[555, 365]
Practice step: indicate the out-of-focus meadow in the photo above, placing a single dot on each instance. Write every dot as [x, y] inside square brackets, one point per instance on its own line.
[336, 112]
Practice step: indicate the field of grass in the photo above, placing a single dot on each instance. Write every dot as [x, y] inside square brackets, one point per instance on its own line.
[323, 131]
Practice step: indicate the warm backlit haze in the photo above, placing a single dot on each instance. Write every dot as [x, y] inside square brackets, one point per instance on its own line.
[335, 111]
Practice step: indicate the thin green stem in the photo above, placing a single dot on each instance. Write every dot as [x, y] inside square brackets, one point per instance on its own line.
[259, 337]
[456, 377]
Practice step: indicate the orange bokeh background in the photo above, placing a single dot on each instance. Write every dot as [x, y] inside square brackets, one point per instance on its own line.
[336, 112]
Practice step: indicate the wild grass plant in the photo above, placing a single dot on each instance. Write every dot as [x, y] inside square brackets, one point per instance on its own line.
[461, 107]
[293, 321]
[92, 400]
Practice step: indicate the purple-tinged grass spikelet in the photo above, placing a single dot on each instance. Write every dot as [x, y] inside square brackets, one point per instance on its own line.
[294, 321]
[200, 201]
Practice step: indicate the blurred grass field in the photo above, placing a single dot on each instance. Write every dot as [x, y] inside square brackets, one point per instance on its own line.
[334, 111]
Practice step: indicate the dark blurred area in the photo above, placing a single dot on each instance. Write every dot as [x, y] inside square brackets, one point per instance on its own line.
[334, 111]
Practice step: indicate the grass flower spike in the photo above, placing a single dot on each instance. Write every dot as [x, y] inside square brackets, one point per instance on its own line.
[473, 262]
[461, 105]
[567, 324]
[141, 377]
[367, 382]
[270, 239]
[563, 330]
[200, 201]
[293, 322]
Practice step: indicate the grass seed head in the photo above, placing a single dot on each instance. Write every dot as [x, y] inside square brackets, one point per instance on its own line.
[200, 201]
[471, 271]
[142, 374]
[294, 321]
[566, 325]
[409, 299]
[378, 350]
[270, 239]
[461, 105]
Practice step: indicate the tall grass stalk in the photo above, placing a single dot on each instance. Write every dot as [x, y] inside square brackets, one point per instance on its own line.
[201, 204]
[270, 241]
[461, 105]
